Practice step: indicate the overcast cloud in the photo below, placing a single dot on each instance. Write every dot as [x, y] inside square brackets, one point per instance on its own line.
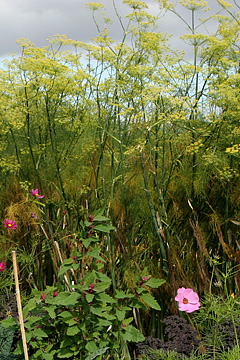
[37, 20]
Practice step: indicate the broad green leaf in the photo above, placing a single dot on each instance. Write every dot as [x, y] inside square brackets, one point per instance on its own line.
[103, 277]
[9, 322]
[150, 301]
[96, 311]
[101, 286]
[105, 298]
[31, 305]
[65, 353]
[66, 299]
[51, 311]
[95, 254]
[97, 353]
[65, 314]
[130, 333]
[120, 314]
[31, 320]
[64, 268]
[40, 333]
[73, 330]
[154, 283]
[122, 295]
[86, 242]
[103, 322]
[100, 218]
[89, 297]
[104, 228]
[91, 346]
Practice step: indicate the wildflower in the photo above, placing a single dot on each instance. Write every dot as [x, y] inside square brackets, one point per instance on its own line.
[74, 258]
[33, 215]
[35, 193]
[10, 224]
[2, 266]
[43, 296]
[91, 286]
[55, 293]
[188, 300]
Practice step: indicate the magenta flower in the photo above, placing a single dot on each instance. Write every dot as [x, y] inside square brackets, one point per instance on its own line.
[10, 224]
[35, 193]
[188, 300]
[2, 266]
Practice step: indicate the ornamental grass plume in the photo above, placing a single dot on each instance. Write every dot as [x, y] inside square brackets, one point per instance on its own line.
[188, 300]
[35, 193]
[10, 224]
[2, 266]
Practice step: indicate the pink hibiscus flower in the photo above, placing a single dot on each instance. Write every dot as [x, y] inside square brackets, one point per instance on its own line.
[188, 300]
[35, 193]
[10, 224]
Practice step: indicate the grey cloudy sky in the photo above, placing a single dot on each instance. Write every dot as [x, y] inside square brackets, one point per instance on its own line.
[37, 20]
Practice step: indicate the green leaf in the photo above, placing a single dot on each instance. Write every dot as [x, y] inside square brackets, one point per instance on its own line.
[105, 298]
[104, 228]
[130, 333]
[51, 311]
[150, 301]
[97, 353]
[96, 311]
[39, 333]
[103, 322]
[65, 353]
[91, 346]
[64, 268]
[31, 320]
[48, 355]
[95, 254]
[100, 218]
[101, 286]
[65, 314]
[69, 300]
[89, 297]
[103, 277]
[123, 295]
[120, 314]
[73, 330]
[9, 322]
[154, 283]
[86, 242]
[31, 305]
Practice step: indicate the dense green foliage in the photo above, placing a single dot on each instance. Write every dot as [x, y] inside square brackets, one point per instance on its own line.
[139, 130]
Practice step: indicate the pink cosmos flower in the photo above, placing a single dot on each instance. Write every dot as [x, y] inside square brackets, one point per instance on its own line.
[188, 300]
[2, 266]
[10, 224]
[35, 193]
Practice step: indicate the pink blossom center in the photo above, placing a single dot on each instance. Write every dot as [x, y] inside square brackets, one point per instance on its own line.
[185, 301]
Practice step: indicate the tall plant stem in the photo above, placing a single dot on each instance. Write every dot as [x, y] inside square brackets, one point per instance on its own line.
[159, 191]
[163, 254]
